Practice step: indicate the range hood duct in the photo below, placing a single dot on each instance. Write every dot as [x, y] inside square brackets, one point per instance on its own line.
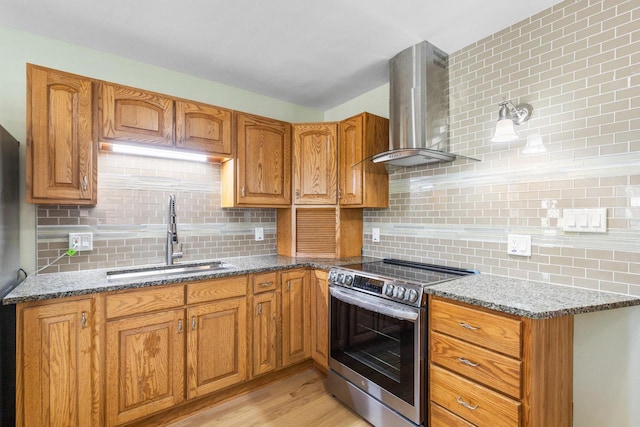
[418, 108]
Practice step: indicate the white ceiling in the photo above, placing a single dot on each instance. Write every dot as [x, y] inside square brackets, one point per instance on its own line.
[315, 53]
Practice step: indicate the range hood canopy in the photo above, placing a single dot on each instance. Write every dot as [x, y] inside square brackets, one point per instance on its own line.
[418, 108]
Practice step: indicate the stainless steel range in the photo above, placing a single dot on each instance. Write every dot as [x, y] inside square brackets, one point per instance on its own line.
[377, 336]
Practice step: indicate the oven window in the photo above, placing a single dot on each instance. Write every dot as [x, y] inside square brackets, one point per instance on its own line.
[378, 347]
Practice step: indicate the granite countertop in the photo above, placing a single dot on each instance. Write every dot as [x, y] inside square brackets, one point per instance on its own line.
[67, 284]
[520, 297]
[525, 298]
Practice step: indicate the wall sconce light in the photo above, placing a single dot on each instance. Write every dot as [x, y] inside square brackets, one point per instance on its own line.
[508, 116]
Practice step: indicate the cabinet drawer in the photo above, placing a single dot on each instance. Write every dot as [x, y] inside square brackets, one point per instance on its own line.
[217, 289]
[440, 417]
[491, 369]
[494, 331]
[144, 300]
[471, 401]
[264, 282]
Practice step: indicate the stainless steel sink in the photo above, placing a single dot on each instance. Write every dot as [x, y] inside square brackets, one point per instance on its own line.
[169, 270]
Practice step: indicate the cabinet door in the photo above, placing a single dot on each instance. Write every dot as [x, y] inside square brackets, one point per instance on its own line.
[131, 115]
[217, 354]
[295, 317]
[145, 365]
[265, 316]
[320, 318]
[351, 165]
[203, 127]
[263, 164]
[56, 366]
[61, 158]
[315, 163]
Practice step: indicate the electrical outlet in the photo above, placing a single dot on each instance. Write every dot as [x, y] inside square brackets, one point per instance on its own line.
[375, 234]
[519, 244]
[259, 234]
[81, 241]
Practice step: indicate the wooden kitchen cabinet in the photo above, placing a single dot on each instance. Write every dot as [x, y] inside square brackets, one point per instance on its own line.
[144, 365]
[132, 115]
[315, 163]
[57, 374]
[296, 344]
[265, 334]
[203, 127]
[217, 346]
[260, 173]
[494, 369]
[61, 159]
[320, 318]
[362, 183]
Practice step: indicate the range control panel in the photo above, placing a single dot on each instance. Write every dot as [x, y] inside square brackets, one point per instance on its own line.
[407, 293]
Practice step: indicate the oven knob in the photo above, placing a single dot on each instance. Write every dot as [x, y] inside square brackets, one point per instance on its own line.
[332, 276]
[348, 279]
[398, 292]
[388, 290]
[412, 295]
[340, 278]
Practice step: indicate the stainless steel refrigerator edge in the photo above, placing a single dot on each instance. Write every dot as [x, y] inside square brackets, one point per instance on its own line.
[9, 265]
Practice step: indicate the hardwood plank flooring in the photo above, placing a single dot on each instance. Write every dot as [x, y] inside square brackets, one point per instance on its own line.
[298, 400]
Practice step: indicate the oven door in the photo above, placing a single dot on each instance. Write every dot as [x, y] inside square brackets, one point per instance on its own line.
[378, 346]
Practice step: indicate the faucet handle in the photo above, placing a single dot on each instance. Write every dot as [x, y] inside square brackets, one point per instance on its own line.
[178, 254]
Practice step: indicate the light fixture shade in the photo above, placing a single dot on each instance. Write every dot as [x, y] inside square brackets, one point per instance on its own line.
[505, 131]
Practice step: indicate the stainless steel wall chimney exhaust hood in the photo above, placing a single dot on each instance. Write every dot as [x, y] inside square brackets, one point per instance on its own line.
[418, 108]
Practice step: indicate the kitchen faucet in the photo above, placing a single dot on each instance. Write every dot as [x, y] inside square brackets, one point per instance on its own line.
[172, 232]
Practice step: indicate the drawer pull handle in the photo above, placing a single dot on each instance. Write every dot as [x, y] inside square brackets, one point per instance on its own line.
[465, 404]
[468, 326]
[266, 284]
[468, 362]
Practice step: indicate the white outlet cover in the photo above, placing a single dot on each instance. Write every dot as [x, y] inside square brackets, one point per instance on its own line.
[259, 234]
[375, 234]
[81, 241]
[519, 244]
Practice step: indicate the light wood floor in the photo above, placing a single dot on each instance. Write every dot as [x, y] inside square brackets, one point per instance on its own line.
[299, 400]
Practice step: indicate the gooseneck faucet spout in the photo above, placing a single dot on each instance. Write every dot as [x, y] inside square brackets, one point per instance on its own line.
[172, 232]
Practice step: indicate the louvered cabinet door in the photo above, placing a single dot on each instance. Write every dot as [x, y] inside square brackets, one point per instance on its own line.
[61, 157]
[316, 232]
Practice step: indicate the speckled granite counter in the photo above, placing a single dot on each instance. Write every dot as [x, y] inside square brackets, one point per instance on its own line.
[60, 285]
[529, 299]
[515, 296]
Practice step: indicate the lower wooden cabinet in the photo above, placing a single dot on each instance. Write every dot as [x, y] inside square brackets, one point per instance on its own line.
[494, 369]
[320, 318]
[217, 346]
[296, 326]
[55, 364]
[144, 365]
[117, 358]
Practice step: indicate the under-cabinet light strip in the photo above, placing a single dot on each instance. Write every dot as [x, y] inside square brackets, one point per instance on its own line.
[153, 152]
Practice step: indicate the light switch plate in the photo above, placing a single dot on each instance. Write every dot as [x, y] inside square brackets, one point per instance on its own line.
[259, 234]
[375, 234]
[585, 220]
[519, 244]
[81, 241]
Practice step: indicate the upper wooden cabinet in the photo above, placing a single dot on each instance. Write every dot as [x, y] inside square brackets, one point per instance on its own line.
[133, 115]
[315, 163]
[203, 127]
[260, 173]
[61, 157]
[362, 183]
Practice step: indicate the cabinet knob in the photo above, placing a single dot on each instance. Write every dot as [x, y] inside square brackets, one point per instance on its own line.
[84, 182]
[83, 320]
[179, 326]
[266, 284]
[242, 191]
[260, 309]
[288, 285]
[465, 404]
[193, 323]
[468, 362]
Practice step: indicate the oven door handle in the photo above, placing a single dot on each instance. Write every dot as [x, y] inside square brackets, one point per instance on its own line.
[376, 305]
